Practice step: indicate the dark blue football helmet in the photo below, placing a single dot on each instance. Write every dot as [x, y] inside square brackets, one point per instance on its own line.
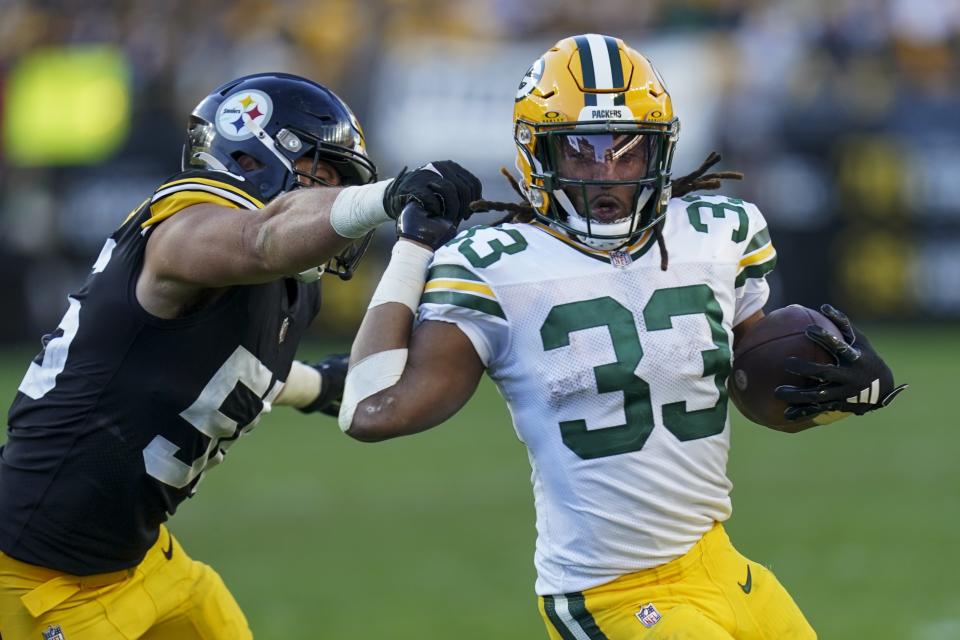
[276, 119]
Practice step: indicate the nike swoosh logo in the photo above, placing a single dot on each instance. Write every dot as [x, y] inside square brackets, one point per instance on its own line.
[746, 586]
[168, 552]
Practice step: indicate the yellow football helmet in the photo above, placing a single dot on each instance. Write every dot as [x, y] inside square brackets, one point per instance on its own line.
[595, 134]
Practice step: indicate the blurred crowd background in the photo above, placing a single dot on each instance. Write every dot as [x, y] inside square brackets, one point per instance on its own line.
[843, 114]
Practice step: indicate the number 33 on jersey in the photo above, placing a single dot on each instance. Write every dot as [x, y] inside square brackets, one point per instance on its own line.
[615, 374]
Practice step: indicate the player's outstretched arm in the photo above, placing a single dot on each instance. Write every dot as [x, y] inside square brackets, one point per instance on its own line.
[210, 246]
[398, 384]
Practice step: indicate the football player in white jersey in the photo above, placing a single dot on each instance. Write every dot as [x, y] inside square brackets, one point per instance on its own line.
[612, 355]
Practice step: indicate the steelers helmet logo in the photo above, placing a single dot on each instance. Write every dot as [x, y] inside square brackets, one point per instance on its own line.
[530, 80]
[239, 109]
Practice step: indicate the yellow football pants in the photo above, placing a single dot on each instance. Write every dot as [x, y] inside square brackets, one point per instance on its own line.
[168, 596]
[710, 593]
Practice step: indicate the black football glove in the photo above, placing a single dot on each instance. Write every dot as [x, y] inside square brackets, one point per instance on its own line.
[442, 188]
[416, 224]
[333, 374]
[859, 382]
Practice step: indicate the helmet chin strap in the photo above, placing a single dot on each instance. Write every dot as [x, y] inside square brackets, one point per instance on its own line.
[579, 222]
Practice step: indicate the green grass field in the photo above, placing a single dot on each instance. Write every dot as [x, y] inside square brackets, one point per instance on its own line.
[432, 537]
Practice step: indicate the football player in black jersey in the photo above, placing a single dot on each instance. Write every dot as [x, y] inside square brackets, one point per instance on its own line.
[183, 335]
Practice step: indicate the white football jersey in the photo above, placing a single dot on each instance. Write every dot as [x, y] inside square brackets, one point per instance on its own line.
[615, 375]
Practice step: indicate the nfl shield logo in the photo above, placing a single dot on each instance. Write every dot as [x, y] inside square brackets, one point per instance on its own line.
[620, 259]
[53, 632]
[648, 615]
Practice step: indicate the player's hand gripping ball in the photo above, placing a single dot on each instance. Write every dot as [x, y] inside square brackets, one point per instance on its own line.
[797, 368]
[758, 364]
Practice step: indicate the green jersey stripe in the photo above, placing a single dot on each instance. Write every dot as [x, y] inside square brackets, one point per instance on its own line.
[578, 609]
[756, 271]
[452, 271]
[465, 300]
[759, 239]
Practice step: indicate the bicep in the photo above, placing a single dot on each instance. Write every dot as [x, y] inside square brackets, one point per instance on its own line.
[207, 246]
[444, 365]
[441, 374]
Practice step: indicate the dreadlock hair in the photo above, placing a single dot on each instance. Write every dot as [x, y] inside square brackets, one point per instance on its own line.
[696, 180]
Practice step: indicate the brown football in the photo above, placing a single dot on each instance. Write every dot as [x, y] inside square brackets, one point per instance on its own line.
[758, 364]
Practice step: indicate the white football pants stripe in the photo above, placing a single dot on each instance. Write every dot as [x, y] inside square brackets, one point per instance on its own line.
[563, 612]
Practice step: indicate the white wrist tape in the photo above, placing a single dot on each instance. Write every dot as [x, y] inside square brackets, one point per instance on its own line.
[371, 375]
[359, 209]
[404, 277]
[302, 386]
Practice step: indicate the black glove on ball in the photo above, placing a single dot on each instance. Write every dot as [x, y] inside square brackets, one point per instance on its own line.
[860, 381]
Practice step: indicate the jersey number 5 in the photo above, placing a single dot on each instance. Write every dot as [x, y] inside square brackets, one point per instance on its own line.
[620, 376]
[207, 416]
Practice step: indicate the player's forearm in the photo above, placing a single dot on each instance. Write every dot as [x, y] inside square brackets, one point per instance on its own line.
[307, 227]
[301, 387]
[385, 327]
[379, 356]
[440, 375]
[394, 412]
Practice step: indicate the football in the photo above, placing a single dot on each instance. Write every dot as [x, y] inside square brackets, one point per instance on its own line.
[758, 364]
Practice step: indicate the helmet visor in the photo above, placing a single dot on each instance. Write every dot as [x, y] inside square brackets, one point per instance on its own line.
[602, 174]
[604, 157]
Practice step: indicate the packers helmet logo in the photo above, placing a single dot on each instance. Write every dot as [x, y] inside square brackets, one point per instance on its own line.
[239, 109]
[530, 79]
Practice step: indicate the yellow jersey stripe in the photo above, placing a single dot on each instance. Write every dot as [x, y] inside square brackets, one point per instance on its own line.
[761, 255]
[212, 183]
[460, 285]
[177, 202]
[135, 211]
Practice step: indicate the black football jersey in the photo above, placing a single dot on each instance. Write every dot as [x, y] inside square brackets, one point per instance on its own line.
[121, 413]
